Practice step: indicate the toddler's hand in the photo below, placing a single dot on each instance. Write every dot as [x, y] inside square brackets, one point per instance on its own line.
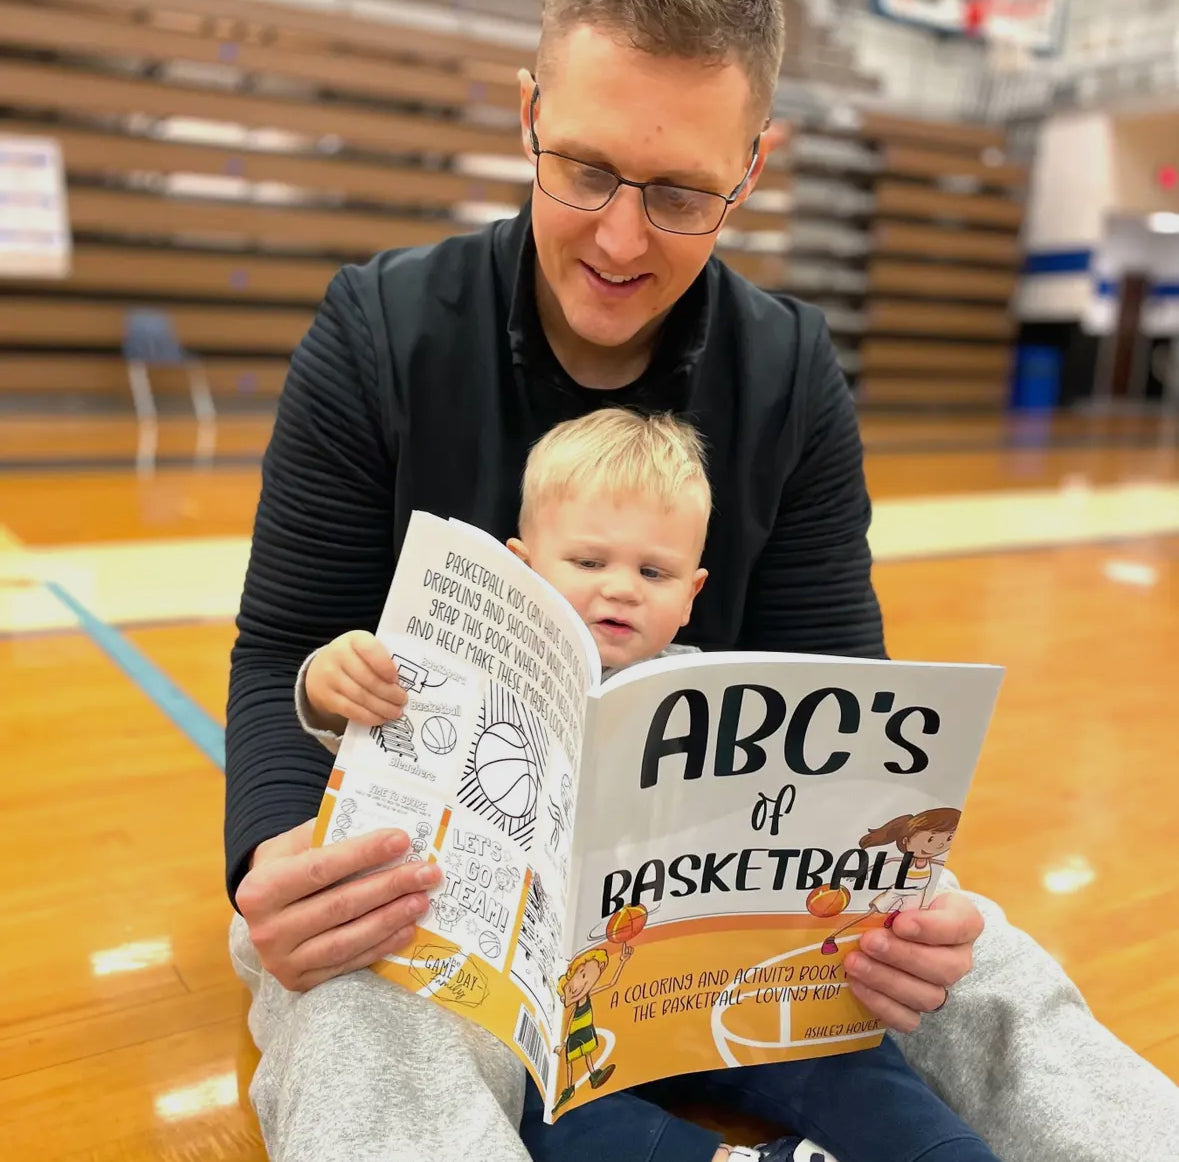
[353, 678]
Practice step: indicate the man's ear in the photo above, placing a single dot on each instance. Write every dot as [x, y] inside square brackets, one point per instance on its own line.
[518, 547]
[527, 86]
[773, 136]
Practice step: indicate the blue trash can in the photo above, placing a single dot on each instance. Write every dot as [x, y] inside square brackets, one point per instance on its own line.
[1036, 385]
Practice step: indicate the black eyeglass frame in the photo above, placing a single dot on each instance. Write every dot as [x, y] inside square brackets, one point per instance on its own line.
[640, 186]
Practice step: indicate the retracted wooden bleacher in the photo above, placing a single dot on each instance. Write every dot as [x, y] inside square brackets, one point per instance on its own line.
[943, 267]
[342, 136]
[345, 136]
[906, 233]
[337, 137]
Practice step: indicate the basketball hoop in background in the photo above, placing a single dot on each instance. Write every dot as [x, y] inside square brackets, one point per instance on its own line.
[1014, 30]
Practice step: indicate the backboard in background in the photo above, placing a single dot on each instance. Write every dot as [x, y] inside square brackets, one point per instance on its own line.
[1035, 26]
[943, 15]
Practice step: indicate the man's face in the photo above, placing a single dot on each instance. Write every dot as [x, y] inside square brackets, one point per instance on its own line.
[645, 118]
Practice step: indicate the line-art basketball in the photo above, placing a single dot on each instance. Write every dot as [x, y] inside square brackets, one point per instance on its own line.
[506, 769]
[438, 735]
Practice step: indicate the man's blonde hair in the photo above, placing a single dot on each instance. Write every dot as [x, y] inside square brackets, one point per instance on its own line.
[751, 32]
[619, 453]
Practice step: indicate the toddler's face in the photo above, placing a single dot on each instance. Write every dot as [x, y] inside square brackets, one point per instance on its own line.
[629, 568]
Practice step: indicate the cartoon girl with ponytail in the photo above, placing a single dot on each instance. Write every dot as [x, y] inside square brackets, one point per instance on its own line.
[924, 837]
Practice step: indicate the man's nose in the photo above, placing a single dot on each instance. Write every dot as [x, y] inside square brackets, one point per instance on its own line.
[624, 232]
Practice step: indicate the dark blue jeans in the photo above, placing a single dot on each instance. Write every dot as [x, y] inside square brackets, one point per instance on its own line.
[863, 1107]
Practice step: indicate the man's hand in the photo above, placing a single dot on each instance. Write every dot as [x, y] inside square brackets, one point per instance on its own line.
[903, 972]
[353, 679]
[308, 926]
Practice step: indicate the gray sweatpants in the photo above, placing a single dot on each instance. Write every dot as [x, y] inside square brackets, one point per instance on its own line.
[358, 1070]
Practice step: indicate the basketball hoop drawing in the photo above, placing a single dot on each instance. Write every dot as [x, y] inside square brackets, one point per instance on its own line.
[413, 677]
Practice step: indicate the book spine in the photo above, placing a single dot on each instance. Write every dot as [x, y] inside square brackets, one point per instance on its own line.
[586, 777]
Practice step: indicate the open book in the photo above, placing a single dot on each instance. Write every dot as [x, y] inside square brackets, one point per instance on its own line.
[660, 872]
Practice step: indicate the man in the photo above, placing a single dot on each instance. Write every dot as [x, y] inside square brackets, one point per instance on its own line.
[422, 382]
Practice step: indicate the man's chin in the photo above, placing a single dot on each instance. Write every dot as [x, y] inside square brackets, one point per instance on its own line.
[606, 324]
[591, 328]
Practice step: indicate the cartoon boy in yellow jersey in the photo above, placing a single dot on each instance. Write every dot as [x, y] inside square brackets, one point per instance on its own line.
[579, 1039]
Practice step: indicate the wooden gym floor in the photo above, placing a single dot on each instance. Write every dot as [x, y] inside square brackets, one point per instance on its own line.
[1052, 548]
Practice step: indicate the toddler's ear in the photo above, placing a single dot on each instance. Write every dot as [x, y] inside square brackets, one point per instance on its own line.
[697, 585]
[518, 547]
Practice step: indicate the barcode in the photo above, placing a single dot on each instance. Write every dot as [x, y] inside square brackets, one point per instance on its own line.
[529, 1038]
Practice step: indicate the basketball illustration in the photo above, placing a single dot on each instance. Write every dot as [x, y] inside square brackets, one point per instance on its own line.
[626, 923]
[506, 770]
[826, 901]
[438, 735]
[489, 945]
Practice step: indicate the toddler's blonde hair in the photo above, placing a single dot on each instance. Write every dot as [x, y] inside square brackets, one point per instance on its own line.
[619, 453]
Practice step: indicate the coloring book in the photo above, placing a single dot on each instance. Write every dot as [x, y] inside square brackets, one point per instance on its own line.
[656, 873]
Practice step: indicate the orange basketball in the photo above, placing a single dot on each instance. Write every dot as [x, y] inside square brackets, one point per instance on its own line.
[826, 901]
[626, 923]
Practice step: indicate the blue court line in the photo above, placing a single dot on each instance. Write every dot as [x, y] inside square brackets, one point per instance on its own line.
[191, 719]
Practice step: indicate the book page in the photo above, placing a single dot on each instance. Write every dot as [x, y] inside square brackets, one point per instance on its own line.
[480, 770]
[733, 842]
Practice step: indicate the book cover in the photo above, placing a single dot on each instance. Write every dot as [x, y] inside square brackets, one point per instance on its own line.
[656, 874]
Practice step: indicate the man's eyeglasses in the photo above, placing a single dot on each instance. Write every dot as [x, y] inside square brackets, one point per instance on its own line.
[676, 209]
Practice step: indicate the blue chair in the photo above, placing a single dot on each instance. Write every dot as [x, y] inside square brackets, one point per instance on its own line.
[150, 339]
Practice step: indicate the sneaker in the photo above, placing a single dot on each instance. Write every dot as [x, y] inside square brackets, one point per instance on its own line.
[789, 1149]
[784, 1149]
[599, 1077]
[566, 1094]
